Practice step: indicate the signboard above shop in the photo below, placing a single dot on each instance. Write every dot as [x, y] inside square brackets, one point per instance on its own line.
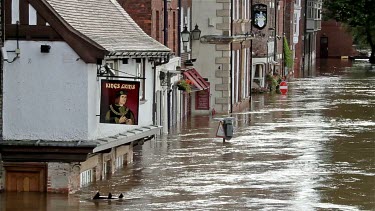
[202, 100]
[119, 102]
[259, 16]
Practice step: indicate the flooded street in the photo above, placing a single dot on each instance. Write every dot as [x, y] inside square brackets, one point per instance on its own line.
[312, 149]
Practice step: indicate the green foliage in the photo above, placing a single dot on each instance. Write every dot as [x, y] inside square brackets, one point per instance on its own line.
[354, 13]
[359, 15]
[288, 55]
[273, 82]
[184, 85]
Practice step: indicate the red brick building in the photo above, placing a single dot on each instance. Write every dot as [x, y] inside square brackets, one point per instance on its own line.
[149, 15]
[334, 41]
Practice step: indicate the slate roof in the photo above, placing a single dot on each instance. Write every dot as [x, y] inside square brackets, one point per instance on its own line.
[106, 23]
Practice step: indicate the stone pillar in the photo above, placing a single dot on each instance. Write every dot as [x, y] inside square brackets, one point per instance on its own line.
[74, 182]
[222, 96]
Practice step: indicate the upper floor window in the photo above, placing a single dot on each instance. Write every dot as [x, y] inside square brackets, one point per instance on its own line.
[140, 72]
[310, 9]
[297, 3]
[295, 22]
[236, 9]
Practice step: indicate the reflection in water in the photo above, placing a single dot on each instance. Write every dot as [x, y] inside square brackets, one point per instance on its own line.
[312, 149]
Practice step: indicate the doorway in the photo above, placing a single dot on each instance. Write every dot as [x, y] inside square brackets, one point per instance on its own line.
[323, 47]
[25, 177]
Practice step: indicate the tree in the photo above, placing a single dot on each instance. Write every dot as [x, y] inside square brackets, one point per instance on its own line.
[358, 14]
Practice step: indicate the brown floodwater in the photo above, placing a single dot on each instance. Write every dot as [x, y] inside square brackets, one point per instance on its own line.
[312, 149]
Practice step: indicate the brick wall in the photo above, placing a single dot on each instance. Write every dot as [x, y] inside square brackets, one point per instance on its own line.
[58, 177]
[339, 40]
[260, 43]
[149, 15]
[140, 11]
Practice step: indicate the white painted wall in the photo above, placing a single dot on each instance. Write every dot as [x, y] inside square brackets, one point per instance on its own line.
[56, 96]
[45, 94]
[99, 130]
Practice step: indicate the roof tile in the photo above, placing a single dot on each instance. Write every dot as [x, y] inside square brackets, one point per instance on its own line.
[106, 23]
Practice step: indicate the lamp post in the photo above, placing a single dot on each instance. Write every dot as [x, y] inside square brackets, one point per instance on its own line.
[196, 33]
[185, 36]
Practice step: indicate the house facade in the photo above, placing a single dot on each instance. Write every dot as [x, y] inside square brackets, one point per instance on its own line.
[165, 21]
[223, 53]
[298, 28]
[244, 41]
[334, 41]
[67, 61]
[312, 24]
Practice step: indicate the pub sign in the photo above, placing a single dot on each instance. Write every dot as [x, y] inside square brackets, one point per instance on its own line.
[259, 17]
[119, 102]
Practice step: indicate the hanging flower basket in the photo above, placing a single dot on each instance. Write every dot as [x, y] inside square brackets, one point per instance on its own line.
[180, 87]
[184, 85]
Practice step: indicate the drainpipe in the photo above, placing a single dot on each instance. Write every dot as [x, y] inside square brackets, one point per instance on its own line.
[251, 51]
[166, 23]
[304, 40]
[231, 59]
[275, 37]
[282, 40]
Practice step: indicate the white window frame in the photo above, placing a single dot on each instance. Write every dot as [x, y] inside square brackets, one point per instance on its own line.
[139, 71]
[86, 177]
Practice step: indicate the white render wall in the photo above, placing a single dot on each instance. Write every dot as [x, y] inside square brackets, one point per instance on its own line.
[56, 95]
[45, 94]
[99, 130]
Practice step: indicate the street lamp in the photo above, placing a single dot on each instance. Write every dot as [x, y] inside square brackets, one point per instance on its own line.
[185, 35]
[196, 33]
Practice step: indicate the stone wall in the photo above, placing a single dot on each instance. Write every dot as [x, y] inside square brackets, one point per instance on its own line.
[57, 177]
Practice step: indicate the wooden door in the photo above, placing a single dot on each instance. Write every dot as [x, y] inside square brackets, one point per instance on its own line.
[323, 47]
[25, 177]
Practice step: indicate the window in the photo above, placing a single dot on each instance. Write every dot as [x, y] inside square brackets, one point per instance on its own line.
[119, 162]
[86, 177]
[182, 50]
[188, 24]
[295, 24]
[113, 65]
[236, 9]
[310, 9]
[140, 72]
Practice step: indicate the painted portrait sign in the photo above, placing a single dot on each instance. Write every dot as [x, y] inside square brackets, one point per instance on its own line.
[119, 102]
[259, 18]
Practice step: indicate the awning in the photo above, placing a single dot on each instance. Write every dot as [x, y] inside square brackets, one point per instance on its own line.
[69, 151]
[126, 138]
[197, 80]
